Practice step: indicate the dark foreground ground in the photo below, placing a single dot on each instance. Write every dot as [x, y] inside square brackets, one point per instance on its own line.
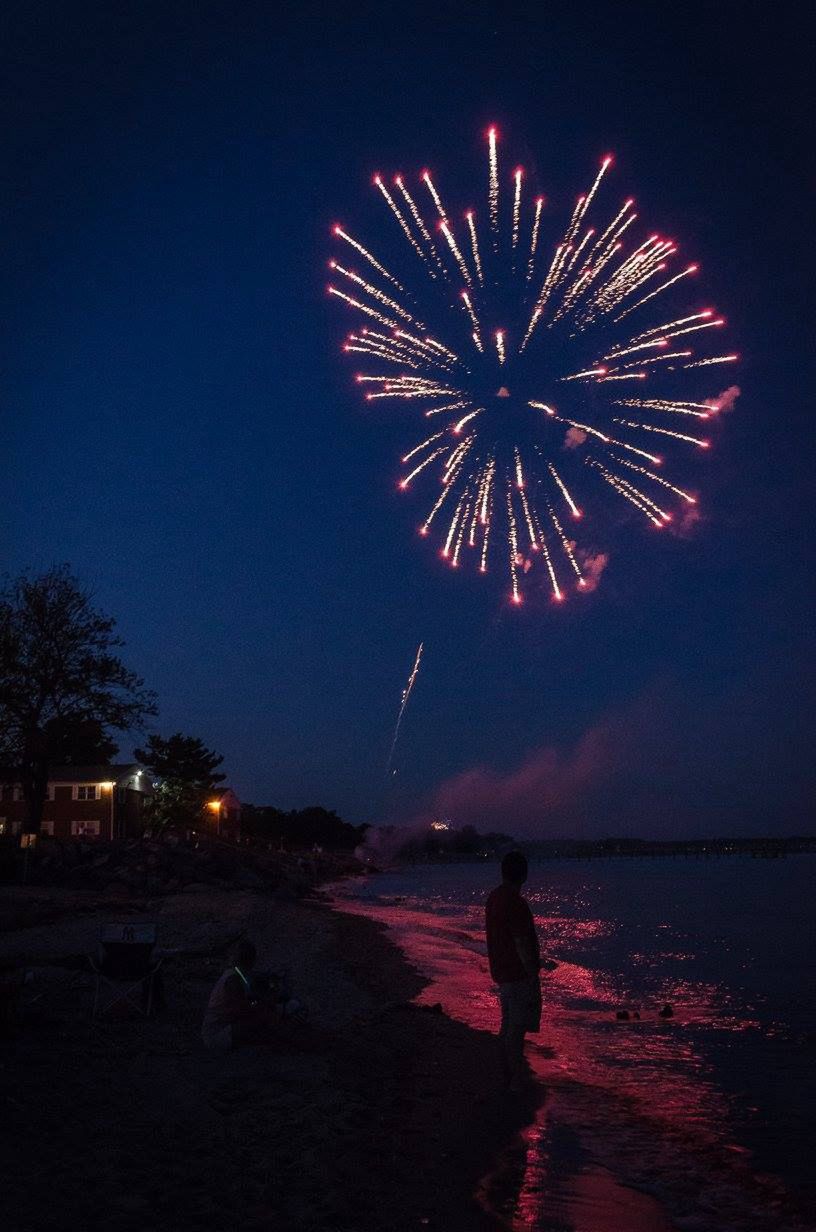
[127, 1125]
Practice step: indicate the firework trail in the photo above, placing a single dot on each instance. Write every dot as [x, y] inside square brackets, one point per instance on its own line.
[551, 367]
[406, 693]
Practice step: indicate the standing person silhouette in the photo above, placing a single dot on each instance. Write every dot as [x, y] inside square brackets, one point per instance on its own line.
[515, 962]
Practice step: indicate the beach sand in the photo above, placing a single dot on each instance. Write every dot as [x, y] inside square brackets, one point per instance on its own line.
[130, 1124]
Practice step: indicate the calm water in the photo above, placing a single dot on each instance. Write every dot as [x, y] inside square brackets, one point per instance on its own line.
[710, 1112]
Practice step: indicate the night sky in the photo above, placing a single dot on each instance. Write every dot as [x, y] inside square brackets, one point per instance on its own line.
[179, 423]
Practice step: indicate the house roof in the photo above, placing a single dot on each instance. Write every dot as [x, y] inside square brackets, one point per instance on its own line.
[93, 774]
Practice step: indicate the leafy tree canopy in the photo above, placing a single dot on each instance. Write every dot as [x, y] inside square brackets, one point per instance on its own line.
[187, 774]
[302, 827]
[60, 677]
[184, 758]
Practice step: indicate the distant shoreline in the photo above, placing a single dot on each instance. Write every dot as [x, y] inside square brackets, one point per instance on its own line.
[634, 848]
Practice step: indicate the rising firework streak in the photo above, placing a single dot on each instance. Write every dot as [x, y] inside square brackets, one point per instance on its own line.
[522, 349]
[406, 693]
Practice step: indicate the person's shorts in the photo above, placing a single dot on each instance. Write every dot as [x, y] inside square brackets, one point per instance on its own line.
[521, 1005]
[217, 1038]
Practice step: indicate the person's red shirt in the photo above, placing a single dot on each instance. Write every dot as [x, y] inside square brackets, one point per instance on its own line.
[507, 916]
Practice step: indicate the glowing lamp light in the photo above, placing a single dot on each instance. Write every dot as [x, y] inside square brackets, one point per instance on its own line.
[107, 786]
[214, 805]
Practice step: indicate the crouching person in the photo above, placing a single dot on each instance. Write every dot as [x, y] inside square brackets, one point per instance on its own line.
[242, 1010]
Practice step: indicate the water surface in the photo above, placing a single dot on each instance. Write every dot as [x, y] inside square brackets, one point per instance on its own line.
[709, 1111]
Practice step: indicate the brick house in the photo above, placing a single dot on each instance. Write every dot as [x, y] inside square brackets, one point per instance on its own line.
[107, 802]
[95, 801]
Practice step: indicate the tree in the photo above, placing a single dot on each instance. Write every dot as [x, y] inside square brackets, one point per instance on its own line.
[302, 828]
[59, 673]
[187, 773]
[79, 742]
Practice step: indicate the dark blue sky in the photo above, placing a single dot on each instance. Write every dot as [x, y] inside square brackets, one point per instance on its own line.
[179, 425]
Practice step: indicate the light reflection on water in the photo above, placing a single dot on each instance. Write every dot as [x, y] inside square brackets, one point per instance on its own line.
[664, 1105]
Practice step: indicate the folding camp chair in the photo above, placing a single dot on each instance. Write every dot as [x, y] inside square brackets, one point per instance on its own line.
[125, 968]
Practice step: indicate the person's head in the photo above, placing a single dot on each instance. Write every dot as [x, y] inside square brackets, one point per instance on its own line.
[245, 954]
[514, 868]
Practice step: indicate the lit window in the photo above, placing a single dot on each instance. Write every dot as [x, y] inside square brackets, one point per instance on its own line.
[90, 827]
[86, 791]
[47, 827]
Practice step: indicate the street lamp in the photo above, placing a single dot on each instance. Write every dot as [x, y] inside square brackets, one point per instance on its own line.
[109, 787]
[215, 807]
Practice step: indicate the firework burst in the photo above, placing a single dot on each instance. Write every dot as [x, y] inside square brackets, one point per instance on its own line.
[540, 366]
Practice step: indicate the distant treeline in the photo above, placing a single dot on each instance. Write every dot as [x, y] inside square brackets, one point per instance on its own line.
[309, 827]
[442, 842]
[588, 849]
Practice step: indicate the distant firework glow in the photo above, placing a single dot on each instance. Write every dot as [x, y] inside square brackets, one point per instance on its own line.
[541, 368]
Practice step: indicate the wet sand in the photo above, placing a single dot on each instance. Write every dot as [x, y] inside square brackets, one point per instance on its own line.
[130, 1124]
